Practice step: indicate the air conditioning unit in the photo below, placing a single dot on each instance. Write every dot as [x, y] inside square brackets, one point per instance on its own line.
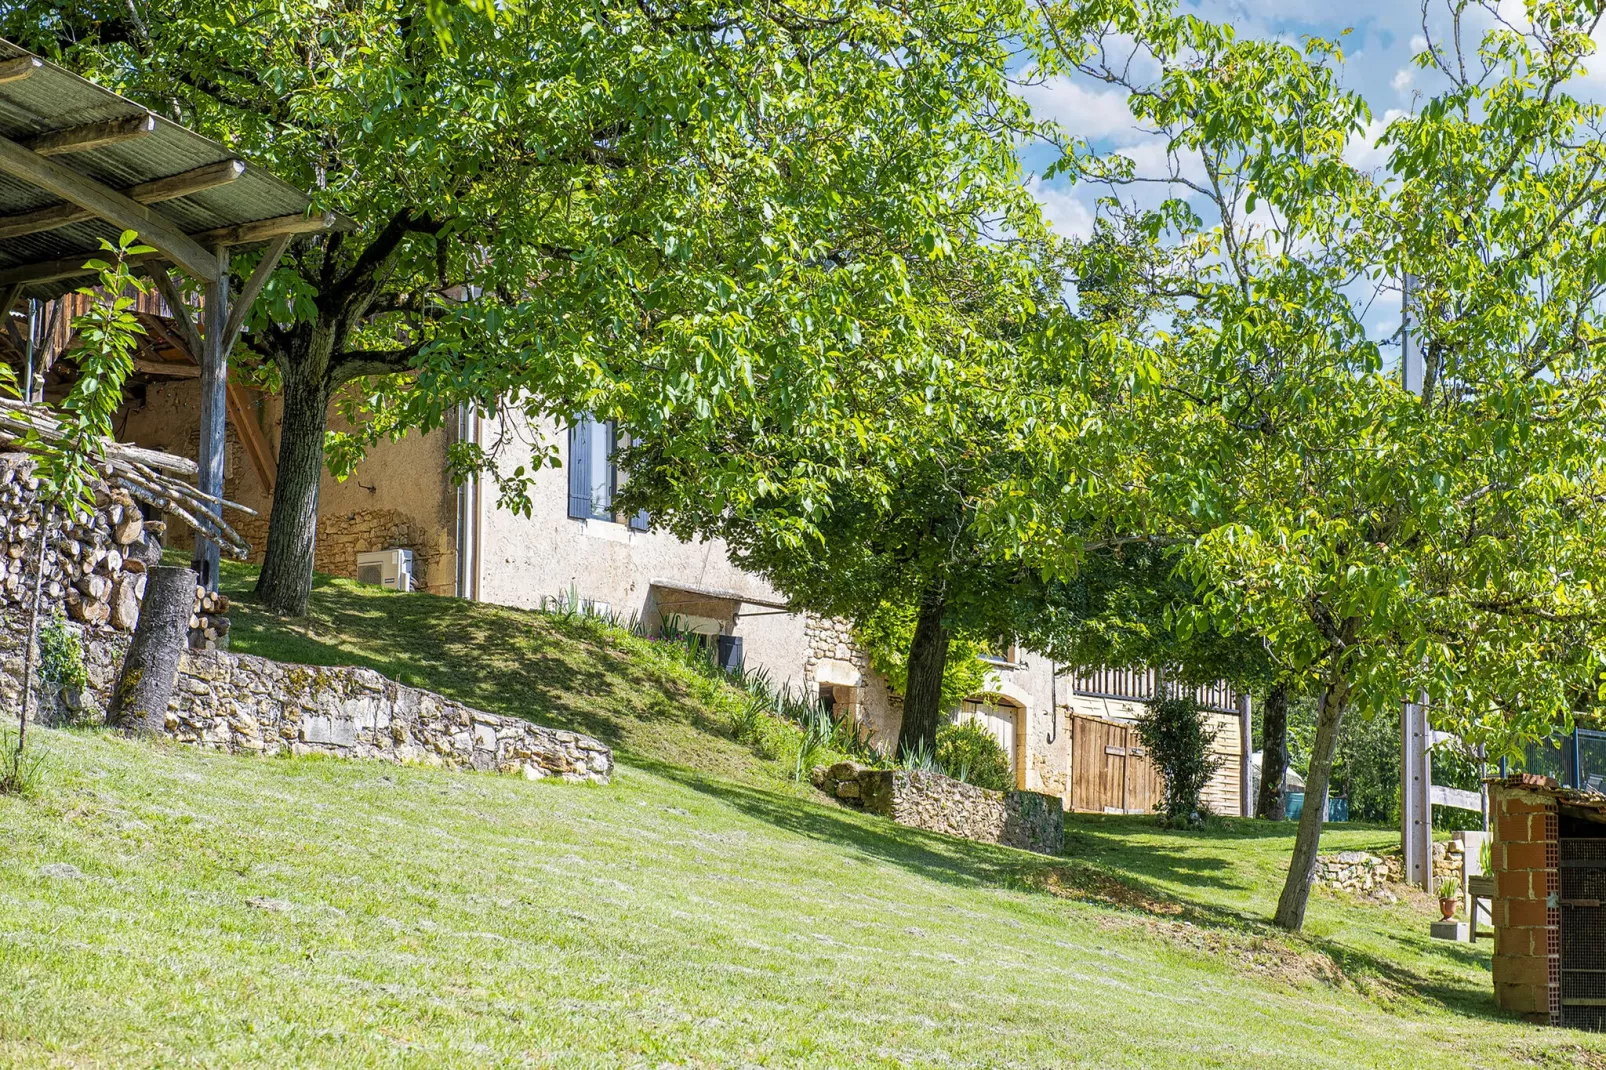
[386, 568]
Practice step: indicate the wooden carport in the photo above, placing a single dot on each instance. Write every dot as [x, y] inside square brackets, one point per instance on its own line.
[79, 163]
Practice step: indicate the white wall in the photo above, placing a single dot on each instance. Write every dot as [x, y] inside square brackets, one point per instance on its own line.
[523, 560]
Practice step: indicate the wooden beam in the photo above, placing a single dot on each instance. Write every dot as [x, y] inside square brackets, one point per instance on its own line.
[242, 412]
[179, 313]
[264, 229]
[253, 286]
[14, 70]
[168, 367]
[8, 300]
[91, 135]
[110, 205]
[162, 189]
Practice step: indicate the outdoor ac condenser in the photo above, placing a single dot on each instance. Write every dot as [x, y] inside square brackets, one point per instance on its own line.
[387, 568]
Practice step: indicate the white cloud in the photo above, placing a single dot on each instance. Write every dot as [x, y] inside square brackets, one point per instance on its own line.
[1095, 114]
[1402, 79]
[1065, 211]
[1363, 151]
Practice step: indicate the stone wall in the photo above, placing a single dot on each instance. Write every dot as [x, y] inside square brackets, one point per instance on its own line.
[95, 572]
[247, 704]
[1360, 873]
[1025, 819]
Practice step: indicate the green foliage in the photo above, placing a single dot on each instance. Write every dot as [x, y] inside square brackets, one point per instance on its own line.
[1177, 737]
[918, 759]
[22, 769]
[61, 654]
[107, 336]
[970, 753]
[1449, 889]
[886, 636]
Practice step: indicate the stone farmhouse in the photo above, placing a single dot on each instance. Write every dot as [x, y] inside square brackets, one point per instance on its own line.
[1065, 733]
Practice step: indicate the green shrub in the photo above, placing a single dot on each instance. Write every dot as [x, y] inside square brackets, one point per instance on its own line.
[61, 654]
[1178, 740]
[970, 753]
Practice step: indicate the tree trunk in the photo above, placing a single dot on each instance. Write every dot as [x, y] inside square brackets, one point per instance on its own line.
[145, 684]
[286, 579]
[928, 656]
[1272, 803]
[1302, 867]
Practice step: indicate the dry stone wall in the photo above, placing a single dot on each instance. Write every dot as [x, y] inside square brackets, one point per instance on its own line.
[95, 573]
[1028, 820]
[248, 704]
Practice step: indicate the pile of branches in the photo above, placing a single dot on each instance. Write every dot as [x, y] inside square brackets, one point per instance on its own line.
[158, 479]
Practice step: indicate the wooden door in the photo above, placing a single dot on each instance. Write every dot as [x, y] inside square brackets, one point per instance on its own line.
[1109, 771]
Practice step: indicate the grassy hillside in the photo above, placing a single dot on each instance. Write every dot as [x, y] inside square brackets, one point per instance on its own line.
[161, 906]
[568, 671]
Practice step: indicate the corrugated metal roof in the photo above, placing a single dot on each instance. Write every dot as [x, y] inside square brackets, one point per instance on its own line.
[52, 99]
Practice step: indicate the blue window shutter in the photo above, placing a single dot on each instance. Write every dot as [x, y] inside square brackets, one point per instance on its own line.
[579, 469]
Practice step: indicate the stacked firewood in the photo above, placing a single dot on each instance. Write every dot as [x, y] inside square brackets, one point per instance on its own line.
[209, 623]
[160, 480]
[94, 565]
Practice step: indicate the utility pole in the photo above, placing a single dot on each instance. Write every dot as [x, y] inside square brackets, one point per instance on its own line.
[1416, 754]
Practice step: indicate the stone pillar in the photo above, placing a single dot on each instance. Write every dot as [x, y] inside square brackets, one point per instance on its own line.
[1527, 913]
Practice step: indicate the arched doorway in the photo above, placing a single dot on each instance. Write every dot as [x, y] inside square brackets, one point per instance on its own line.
[1005, 719]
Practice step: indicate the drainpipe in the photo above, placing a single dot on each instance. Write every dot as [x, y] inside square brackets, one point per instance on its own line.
[1053, 701]
[27, 382]
[468, 513]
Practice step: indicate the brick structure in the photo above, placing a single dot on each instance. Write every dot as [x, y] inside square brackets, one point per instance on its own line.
[1527, 951]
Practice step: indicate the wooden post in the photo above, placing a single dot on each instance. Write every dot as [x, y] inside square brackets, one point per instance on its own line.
[1416, 796]
[1246, 797]
[214, 407]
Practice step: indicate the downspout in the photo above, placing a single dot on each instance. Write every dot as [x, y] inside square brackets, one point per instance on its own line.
[468, 513]
[478, 514]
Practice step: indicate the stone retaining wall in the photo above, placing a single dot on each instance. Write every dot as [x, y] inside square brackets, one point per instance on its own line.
[239, 703]
[1025, 819]
[1369, 875]
[1360, 873]
[95, 573]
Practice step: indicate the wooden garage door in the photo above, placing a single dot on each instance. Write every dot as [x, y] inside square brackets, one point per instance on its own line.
[1109, 771]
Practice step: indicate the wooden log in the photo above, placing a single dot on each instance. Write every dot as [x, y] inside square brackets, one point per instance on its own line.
[145, 684]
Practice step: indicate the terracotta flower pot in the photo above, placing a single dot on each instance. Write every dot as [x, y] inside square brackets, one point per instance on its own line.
[1447, 907]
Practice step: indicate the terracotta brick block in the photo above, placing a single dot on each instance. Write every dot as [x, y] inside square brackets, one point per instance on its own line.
[1522, 970]
[1520, 856]
[1513, 885]
[1513, 828]
[1523, 998]
[1525, 912]
[1513, 804]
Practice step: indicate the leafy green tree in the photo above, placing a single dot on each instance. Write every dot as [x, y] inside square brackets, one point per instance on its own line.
[1384, 541]
[565, 191]
[850, 479]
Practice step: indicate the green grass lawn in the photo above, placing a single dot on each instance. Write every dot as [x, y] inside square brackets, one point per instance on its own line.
[161, 906]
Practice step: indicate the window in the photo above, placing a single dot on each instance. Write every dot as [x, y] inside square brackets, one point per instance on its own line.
[1004, 655]
[594, 474]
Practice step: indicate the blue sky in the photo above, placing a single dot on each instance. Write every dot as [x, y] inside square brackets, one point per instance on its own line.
[1378, 52]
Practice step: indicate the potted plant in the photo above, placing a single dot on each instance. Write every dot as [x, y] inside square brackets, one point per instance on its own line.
[1449, 896]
